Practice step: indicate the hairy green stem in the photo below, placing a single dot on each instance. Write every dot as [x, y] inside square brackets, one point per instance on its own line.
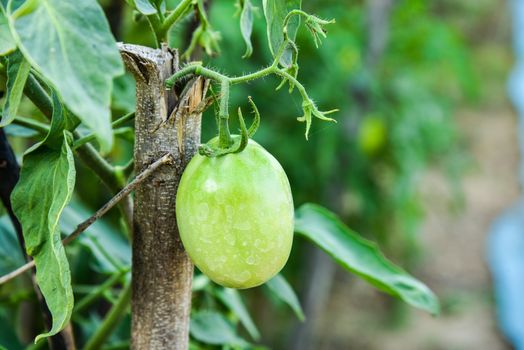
[292, 13]
[255, 75]
[173, 18]
[301, 89]
[40, 345]
[198, 69]
[123, 119]
[111, 320]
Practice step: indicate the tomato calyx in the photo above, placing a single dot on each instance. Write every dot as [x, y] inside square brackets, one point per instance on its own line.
[239, 142]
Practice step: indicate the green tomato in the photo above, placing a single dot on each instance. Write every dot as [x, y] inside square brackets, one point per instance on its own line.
[372, 135]
[235, 216]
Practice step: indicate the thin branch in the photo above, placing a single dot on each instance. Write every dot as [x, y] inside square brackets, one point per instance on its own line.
[17, 272]
[166, 159]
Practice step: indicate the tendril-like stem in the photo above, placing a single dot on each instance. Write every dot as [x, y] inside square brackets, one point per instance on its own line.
[253, 128]
[292, 13]
[287, 73]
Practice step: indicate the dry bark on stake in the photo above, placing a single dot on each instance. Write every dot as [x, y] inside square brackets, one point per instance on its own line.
[162, 271]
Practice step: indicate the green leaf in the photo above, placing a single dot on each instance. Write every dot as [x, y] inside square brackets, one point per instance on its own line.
[45, 187]
[124, 93]
[246, 25]
[7, 43]
[195, 346]
[160, 4]
[8, 335]
[17, 72]
[361, 257]
[211, 327]
[200, 282]
[71, 45]
[275, 12]
[39, 210]
[232, 299]
[282, 290]
[10, 253]
[145, 7]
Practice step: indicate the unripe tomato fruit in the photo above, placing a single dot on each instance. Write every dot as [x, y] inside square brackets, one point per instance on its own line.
[235, 216]
[372, 135]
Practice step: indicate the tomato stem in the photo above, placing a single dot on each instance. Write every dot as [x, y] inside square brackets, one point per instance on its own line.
[309, 108]
[224, 136]
[255, 75]
[174, 16]
[155, 23]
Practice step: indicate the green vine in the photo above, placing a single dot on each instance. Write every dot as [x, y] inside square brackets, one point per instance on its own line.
[208, 39]
[288, 74]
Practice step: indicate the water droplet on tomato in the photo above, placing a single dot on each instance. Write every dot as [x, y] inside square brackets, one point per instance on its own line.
[251, 260]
